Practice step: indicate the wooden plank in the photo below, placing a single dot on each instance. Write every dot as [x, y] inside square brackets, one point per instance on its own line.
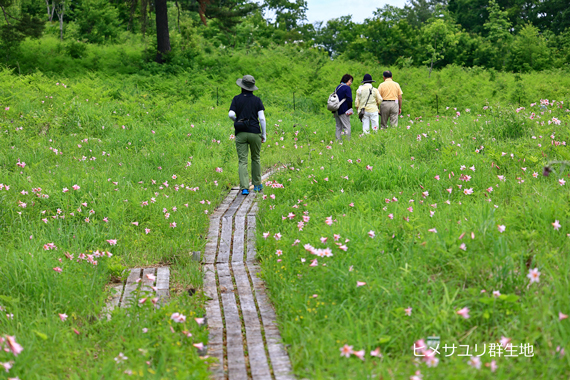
[277, 354]
[239, 233]
[251, 220]
[246, 205]
[146, 282]
[238, 251]
[134, 275]
[212, 244]
[214, 230]
[254, 209]
[231, 195]
[209, 283]
[215, 322]
[235, 355]
[225, 241]
[130, 287]
[267, 175]
[222, 208]
[116, 293]
[255, 344]
[163, 278]
[235, 205]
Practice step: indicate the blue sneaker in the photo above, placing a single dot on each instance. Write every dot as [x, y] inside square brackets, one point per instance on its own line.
[245, 192]
[258, 188]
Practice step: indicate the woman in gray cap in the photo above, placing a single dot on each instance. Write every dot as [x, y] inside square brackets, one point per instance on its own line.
[247, 114]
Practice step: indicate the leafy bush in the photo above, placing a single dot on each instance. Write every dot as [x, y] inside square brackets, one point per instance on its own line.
[75, 49]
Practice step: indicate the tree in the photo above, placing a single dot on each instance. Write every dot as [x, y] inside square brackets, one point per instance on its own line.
[336, 35]
[98, 21]
[437, 36]
[17, 27]
[552, 15]
[229, 13]
[390, 14]
[418, 12]
[50, 10]
[529, 51]
[288, 14]
[383, 41]
[60, 12]
[498, 32]
[473, 14]
[162, 33]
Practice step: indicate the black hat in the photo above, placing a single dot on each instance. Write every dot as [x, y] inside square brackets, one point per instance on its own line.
[368, 79]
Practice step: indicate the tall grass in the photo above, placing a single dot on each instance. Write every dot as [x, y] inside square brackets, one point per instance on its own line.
[145, 167]
[425, 254]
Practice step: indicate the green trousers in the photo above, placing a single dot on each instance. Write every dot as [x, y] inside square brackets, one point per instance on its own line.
[249, 141]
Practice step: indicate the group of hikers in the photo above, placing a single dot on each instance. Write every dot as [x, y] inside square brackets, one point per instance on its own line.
[386, 102]
[248, 114]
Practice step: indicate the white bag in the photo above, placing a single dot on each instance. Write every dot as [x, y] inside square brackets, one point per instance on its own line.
[333, 104]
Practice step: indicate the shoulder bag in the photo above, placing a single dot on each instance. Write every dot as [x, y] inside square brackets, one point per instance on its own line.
[361, 111]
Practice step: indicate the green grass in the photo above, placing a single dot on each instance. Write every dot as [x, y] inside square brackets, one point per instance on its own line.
[321, 308]
[121, 153]
[121, 137]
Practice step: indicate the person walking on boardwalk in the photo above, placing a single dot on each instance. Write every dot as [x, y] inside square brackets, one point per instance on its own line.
[367, 101]
[391, 105]
[247, 113]
[342, 115]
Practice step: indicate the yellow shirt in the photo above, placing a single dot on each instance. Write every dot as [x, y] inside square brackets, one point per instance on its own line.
[362, 95]
[389, 90]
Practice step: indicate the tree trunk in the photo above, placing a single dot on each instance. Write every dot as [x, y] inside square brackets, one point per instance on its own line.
[50, 12]
[61, 27]
[133, 9]
[162, 35]
[178, 19]
[60, 13]
[143, 17]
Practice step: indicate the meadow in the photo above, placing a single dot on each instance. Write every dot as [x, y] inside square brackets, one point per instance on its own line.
[443, 227]
[121, 169]
[90, 186]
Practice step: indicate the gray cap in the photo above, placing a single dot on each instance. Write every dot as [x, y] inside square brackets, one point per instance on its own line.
[247, 83]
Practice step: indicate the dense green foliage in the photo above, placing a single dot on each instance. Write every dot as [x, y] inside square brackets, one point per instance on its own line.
[519, 36]
[289, 76]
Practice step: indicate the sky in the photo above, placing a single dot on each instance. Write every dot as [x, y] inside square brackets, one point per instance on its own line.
[323, 10]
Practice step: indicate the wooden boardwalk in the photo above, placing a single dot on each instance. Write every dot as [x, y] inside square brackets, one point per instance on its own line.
[243, 334]
[146, 279]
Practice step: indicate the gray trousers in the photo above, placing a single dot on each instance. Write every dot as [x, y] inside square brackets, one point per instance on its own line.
[388, 110]
[342, 126]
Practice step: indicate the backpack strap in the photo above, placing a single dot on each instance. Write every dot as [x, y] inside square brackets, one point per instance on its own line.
[370, 93]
